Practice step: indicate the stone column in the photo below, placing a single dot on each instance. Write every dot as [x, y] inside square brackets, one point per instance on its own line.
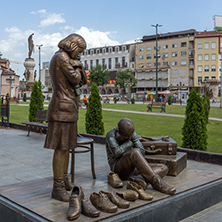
[29, 68]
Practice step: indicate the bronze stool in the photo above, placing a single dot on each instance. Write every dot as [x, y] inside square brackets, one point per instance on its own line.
[83, 142]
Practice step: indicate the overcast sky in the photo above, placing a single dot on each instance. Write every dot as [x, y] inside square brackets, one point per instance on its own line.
[100, 22]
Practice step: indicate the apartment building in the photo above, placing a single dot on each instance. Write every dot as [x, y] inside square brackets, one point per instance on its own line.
[175, 61]
[208, 46]
[113, 58]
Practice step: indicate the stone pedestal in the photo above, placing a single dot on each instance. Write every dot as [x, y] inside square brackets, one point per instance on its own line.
[213, 87]
[29, 70]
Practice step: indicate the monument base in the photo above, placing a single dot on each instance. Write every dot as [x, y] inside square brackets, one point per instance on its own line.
[197, 189]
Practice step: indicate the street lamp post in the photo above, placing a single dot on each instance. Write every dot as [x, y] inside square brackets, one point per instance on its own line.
[39, 47]
[156, 26]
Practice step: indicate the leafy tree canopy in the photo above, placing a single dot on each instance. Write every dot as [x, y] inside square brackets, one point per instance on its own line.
[99, 75]
[125, 76]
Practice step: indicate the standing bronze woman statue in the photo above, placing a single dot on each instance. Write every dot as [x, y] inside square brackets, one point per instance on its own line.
[63, 109]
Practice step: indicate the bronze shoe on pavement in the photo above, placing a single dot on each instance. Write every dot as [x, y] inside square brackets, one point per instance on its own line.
[59, 192]
[114, 180]
[114, 198]
[129, 195]
[139, 181]
[75, 207]
[102, 202]
[158, 184]
[142, 194]
[88, 209]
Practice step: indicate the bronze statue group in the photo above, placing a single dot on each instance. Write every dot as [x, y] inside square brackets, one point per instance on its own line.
[125, 152]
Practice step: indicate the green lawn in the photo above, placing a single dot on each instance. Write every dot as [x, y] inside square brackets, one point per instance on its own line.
[146, 125]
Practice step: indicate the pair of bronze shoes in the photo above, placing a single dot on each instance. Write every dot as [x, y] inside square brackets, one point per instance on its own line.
[78, 204]
[108, 201]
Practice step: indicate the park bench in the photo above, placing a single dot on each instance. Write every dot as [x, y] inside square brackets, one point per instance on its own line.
[157, 105]
[39, 125]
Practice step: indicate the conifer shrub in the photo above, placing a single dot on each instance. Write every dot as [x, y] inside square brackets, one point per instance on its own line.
[24, 97]
[206, 106]
[93, 118]
[169, 100]
[36, 102]
[194, 131]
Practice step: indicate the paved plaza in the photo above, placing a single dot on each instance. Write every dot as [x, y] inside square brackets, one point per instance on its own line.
[24, 159]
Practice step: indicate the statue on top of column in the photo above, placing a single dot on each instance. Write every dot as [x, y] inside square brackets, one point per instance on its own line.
[31, 45]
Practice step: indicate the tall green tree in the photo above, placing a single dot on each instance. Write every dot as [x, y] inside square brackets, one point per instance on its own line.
[36, 102]
[194, 130]
[93, 118]
[123, 77]
[206, 106]
[99, 75]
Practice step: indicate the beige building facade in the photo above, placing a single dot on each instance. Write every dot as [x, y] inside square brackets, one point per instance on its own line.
[175, 61]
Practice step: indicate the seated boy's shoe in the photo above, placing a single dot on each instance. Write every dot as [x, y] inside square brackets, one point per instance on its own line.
[158, 184]
[114, 180]
[59, 192]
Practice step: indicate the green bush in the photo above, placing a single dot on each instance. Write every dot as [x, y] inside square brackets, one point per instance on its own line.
[206, 106]
[194, 131]
[24, 97]
[133, 100]
[93, 118]
[36, 102]
[169, 100]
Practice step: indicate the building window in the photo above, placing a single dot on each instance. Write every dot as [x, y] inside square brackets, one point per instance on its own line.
[85, 65]
[206, 57]
[174, 54]
[206, 68]
[116, 62]
[183, 44]
[213, 45]
[123, 61]
[141, 57]
[165, 55]
[148, 48]
[174, 63]
[110, 49]
[200, 57]
[158, 64]
[213, 68]
[141, 65]
[104, 50]
[117, 49]
[183, 53]
[91, 52]
[86, 52]
[199, 80]
[97, 51]
[158, 56]
[213, 77]
[124, 48]
[213, 56]
[165, 64]
[110, 63]
[174, 45]
[148, 56]
[141, 49]
[97, 62]
[91, 63]
[206, 45]
[158, 47]
[199, 68]
[220, 68]
[183, 62]
[165, 46]
[103, 62]
[206, 78]
[148, 64]
[200, 45]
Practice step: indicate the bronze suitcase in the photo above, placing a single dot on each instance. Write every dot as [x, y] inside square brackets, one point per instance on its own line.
[175, 163]
[159, 145]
